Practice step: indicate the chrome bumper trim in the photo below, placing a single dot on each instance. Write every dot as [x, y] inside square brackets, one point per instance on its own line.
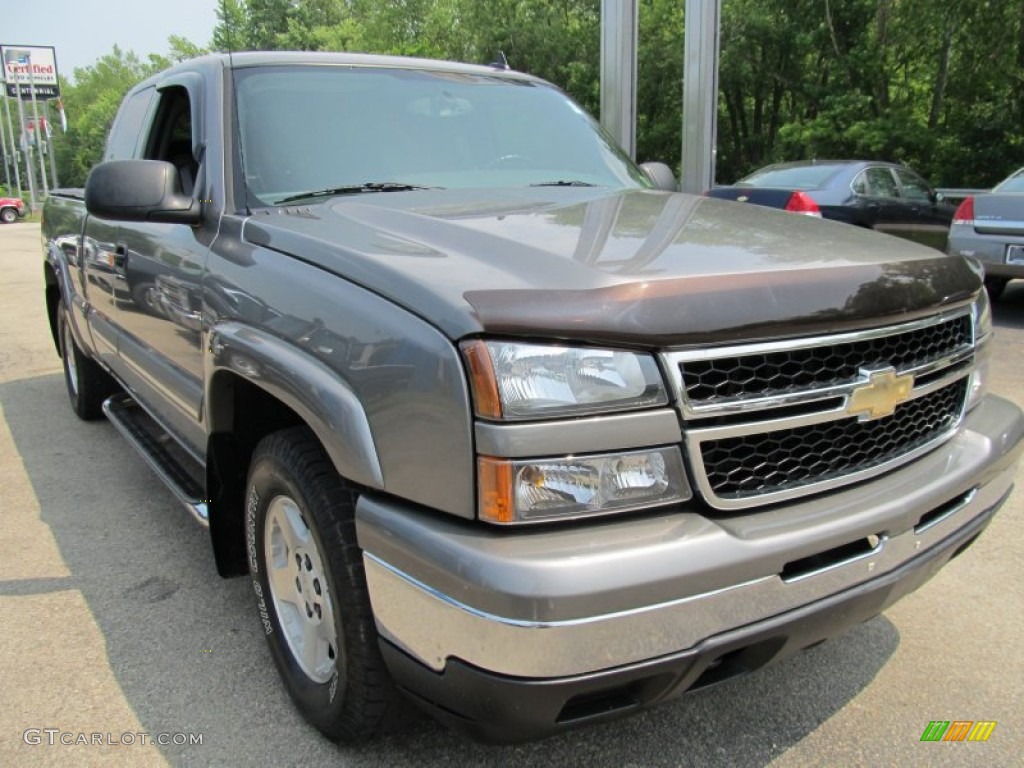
[432, 626]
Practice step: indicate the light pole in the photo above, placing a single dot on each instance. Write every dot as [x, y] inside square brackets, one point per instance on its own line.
[700, 95]
[8, 57]
[700, 84]
[619, 24]
[14, 148]
[3, 151]
[26, 148]
[40, 141]
[49, 145]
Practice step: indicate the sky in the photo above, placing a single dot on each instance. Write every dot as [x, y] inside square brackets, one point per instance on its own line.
[84, 30]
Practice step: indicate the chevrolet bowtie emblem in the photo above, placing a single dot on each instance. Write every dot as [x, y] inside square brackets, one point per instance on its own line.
[880, 395]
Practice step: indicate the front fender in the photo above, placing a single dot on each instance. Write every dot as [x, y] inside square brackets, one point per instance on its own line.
[302, 382]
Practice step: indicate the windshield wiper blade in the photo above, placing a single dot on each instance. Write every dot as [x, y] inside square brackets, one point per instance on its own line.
[565, 183]
[354, 189]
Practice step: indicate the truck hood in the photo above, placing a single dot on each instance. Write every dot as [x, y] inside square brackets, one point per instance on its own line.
[634, 267]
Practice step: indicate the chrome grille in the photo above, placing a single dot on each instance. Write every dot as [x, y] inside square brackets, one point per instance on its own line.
[768, 462]
[772, 421]
[767, 373]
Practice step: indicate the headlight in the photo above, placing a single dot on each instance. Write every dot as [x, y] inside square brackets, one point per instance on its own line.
[535, 490]
[514, 381]
[982, 312]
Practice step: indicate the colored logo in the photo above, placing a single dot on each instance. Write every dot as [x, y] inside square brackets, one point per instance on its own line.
[958, 730]
[881, 394]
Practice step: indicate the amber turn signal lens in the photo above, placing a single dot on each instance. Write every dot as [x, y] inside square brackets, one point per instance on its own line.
[496, 502]
[565, 487]
[481, 376]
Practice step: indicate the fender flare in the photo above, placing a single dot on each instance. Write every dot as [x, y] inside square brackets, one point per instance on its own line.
[317, 393]
[58, 278]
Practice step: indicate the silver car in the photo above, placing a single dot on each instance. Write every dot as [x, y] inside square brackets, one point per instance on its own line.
[990, 228]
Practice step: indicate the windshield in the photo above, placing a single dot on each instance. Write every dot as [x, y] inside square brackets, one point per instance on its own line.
[354, 129]
[794, 177]
[1013, 185]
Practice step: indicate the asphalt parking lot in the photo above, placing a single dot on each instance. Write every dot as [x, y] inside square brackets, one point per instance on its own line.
[113, 621]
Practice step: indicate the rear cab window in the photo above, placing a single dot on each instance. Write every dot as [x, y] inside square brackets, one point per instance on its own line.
[128, 126]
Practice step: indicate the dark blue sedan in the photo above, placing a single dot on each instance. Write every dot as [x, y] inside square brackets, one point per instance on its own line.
[883, 196]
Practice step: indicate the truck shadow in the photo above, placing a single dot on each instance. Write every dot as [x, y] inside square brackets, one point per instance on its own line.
[186, 649]
[1008, 310]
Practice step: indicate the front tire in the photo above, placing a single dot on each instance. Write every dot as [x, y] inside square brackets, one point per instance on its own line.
[8, 215]
[144, 297]
[88, 385]
[311, 595]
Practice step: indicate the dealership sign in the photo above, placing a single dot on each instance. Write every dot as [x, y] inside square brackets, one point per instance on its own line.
[30, 68]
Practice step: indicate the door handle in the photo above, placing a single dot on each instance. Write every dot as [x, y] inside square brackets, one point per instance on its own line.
[121, 257]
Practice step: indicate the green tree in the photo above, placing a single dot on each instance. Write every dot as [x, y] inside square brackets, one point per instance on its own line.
[934, 85]
[182, 49]
[939, 86]
[557, 40]
[659, 80]
[91, 105]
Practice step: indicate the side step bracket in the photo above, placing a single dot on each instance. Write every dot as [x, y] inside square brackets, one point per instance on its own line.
[179, 471]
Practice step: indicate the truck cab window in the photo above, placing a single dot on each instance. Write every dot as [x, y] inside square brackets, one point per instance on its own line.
[171, 137]
[124, 136]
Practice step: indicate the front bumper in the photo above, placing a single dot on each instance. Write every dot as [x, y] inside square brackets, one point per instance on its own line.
[514, 635]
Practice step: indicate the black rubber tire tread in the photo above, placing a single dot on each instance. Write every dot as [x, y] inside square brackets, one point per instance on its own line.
[94, 384]
[365, 694]
[995, 286]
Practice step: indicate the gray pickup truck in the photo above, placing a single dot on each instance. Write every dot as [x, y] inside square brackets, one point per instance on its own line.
[490, 420]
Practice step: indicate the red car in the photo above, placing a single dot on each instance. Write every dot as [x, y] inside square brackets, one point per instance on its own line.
[11, 209]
